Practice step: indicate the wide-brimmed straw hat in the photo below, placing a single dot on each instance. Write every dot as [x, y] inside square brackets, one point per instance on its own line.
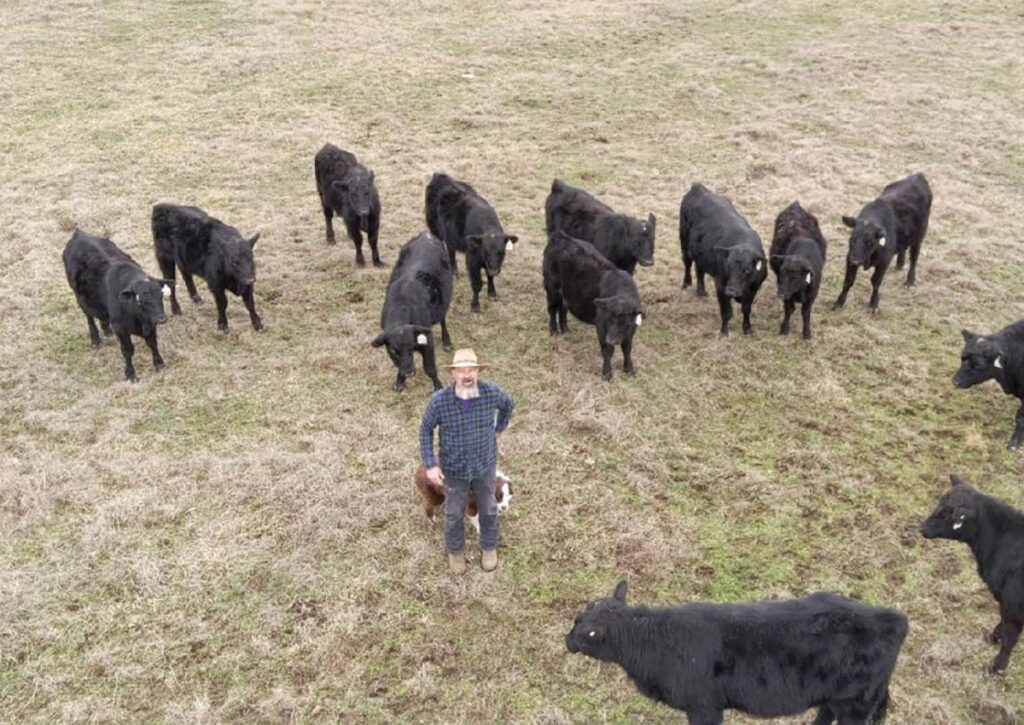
[465, 358]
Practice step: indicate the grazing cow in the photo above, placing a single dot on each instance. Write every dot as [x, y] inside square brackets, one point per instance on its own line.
[767, 659]
[623, 240]
[346, 188]
[891, 224]
[112, 287]
[995, 533]
[715, 238]
[999, 356]
[465, 222]
[577, 276]
[433, 495]
[188, 238]
[797, 256]
[419, 292]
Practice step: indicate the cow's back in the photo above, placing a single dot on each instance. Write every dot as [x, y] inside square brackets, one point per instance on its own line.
[331, 163]
[709, 220]
[447, 205]
[183, 232]
[911, 201]
[86, 261]
[572, 211]
[577, 269]
[421, 279]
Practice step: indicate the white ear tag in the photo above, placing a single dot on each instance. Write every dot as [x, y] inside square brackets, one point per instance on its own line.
[958, 524]
[166, 290]
[808, 278]
[255, 245]
[881, 241]
[508, 246]
[999, 362]
[421, 339]
[639, 319]
[757, 267]
[592, 634]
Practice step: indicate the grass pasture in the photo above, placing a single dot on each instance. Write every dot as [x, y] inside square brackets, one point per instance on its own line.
[236, 539]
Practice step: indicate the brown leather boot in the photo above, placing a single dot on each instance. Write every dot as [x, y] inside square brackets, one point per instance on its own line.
[489, 560]
[457, 563]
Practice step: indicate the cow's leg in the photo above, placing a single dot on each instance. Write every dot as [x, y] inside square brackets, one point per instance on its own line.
[356, 235]
[851, 275]
[451, 260]
[701, 289]
[704, 717]
[190, 285]
[250, 304]
[805, 312]
[901, 256]
[94, 334]
[158, 362]
[446, 339]
[627, 356]
[492, 292]
[687, 263]
[105, 326]
[787, 310]
[167, 270]
[606, 356]
[475, 282]
[556, 313]
[430, 366]
[399, 385]
[127, 350]
[222, 309]
[915, 250]
[328, 217]
[745, 305]
[996, 636]
[876, 282]
[725, 308]
[1018, 430]
[371, 234]
[1009, 634]
[563, 322]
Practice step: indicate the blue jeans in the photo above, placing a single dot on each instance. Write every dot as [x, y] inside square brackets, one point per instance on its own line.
[456, 492]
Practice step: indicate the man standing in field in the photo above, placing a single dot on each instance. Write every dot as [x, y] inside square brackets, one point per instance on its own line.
[471, 414]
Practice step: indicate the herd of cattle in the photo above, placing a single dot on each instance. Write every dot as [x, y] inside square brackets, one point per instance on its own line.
[764, 658]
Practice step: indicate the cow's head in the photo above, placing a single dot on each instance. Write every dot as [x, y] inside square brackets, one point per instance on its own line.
[867, 239]
[401, 342]
[147, 296]
[590, 633]
[981, 359]
[956, 515]
[745, 269]
[645, 241]
[491, 248]
[618, 316]
[795, 275]
[356, 191]
[241, 264]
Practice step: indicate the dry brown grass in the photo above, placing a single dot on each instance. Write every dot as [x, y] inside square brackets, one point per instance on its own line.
[237, 539]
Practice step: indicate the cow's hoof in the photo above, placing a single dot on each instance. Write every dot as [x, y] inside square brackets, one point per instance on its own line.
[398, 387]
[607, 376]
[993, 669]
[175, 310]
[448, 348]
[1013, 446]
[197, 300]
[96, 342]
[873, 310]
[783, 330]
[838, 305]
[808, 336]
[631, 372]
[702, 292]
[748, 330]
[723, 335]
[379, 264]
[258, 326]
[474, 308]
[158, 366]
[360, 262]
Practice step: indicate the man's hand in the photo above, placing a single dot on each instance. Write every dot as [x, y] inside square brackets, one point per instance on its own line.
[435, 476]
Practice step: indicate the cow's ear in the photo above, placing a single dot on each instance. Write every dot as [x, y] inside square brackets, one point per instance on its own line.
[371, 177]
[955, 480]
[968, 336]
[651, 222]
[849, 221]
[127, 293]
[253, 241]
[381, 339]
[620, 591]
[511, 238]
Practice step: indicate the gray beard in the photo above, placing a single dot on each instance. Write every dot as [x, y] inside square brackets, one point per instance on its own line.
[467, 393]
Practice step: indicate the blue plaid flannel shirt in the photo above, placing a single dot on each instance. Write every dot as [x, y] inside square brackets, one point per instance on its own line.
[468, 446]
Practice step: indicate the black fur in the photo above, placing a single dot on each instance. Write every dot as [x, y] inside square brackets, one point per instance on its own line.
[999, 356]
[893, 223]
[466, 222]
[995, 533]
[621, 239]
[418, 295]
[767, 659]
[346, 188]
[715, 238]
[579, 277]
[797, 256]
[111, 287]
[197, 244]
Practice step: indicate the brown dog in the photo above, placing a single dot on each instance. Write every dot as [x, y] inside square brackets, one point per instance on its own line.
[433, 495]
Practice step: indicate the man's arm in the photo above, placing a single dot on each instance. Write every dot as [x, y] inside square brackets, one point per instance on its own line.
[505, 407]
[430, 416]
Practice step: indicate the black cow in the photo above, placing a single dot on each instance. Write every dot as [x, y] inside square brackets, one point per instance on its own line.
[623, 240]
[466, 222]
[579, 277]
[418, 295]
[112, 287]
[346, 188]
[891, 224]
[797, 256]
[999, 356]
[715, 238]
[767, 659]
[995, 533]
[188, 238]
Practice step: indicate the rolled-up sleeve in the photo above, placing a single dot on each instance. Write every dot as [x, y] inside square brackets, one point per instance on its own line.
[427, 433]
[505, 407]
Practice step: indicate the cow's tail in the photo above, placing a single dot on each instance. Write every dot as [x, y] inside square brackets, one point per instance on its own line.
[881, 709]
